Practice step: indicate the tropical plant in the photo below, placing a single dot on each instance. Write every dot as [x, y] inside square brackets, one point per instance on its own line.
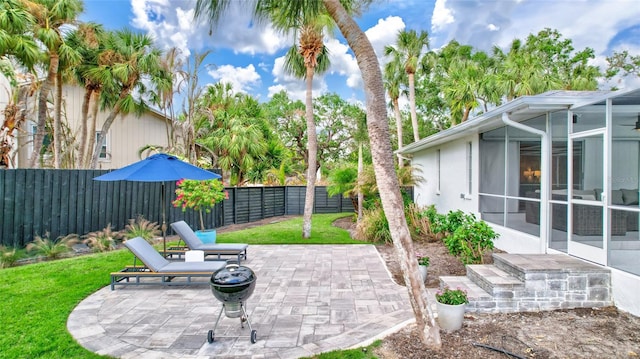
[378, 126]
[394, 78]
[422, 259]
[374, 226]
[452, 296]
[222, 115]
[50, 18]
[102, 241]
[9, 256]
[471, 240]
[136, 65]
[199, 195]
[309, 59]
[52, 249]
[141, 227]
[406, 53]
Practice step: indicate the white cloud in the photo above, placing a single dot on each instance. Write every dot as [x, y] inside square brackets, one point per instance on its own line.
[385, 32]
[242, 79]
[343, 63]
[164, 20]
[492, 27]
[442, 16]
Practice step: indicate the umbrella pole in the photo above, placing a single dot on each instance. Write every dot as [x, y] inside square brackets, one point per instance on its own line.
[164, 224]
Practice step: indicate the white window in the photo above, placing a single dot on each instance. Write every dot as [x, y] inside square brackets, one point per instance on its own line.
[469, 167]
[104, 150]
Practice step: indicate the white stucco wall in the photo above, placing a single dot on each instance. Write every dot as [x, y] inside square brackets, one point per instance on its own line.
[453, 177]
[626, 291]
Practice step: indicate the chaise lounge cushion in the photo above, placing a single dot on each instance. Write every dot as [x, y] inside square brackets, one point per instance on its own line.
[629, 196]
[155, 262]
[194, 243]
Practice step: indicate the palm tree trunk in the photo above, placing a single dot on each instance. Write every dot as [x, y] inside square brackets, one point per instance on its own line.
[57, 123]
[83, 125]
[41, 126]
[386, 177]
[412, 105]
[105, 129]
[91, 134]
[396, 111]
[360, 171]
[312, 149]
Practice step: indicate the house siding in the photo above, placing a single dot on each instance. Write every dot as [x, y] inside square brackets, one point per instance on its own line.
[127, 135]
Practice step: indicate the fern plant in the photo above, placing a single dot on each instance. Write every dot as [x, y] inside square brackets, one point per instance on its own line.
[102, 241]
[141, 227]
[50, 248]
[9, 256]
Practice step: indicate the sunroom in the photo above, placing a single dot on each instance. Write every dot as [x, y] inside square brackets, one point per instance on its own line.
[553, 173]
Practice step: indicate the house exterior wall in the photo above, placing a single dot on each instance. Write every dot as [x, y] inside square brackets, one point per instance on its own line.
[453, 177]
[127, 135]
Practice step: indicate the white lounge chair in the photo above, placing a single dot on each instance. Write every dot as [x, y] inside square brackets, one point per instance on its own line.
[192, 242]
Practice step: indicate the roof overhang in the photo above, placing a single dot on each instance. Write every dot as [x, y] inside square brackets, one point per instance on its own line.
[520, 109]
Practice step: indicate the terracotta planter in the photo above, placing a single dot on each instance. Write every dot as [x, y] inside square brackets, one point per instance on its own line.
[207, 236]
[423, 272]
[450, 317]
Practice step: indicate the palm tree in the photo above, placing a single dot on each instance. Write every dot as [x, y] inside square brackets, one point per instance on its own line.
[407, 51]
[50, 16]
[393, 80]
[231, 131]
[89, 40]
[382, 153]
[136, 59]
[309, 58]
[16, 40]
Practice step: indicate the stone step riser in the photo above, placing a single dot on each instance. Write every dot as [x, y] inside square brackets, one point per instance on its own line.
[503, 287]
[490, 285]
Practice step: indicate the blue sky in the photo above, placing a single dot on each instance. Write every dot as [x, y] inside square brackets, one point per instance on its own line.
[250, 56]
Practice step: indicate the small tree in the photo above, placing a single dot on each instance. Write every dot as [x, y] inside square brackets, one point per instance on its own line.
[199, 195]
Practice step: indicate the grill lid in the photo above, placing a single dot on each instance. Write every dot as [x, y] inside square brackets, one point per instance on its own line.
[233, 275]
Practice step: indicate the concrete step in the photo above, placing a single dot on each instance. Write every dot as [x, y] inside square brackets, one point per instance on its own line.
[493, 280]
[474, 292]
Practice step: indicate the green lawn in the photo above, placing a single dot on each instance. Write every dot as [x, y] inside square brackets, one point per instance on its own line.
[36, 299]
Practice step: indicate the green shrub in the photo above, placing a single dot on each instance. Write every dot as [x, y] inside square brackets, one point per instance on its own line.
[470, 239]
[9, 256]
[373, 226]
[102, 241]
[52, 249]
[141, 227]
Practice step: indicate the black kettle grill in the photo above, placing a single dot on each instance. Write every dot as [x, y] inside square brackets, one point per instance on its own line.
[232, 285]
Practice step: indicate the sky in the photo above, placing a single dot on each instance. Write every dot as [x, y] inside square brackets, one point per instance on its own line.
[250, 55]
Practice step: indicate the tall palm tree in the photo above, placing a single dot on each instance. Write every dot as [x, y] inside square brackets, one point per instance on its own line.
[408, 51]
[136, 59]
[382, 153]
[89, 40]
[50, 16]
[394, 77]
[305, 61]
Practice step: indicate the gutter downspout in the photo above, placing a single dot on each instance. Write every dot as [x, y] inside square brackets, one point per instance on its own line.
[545, 168]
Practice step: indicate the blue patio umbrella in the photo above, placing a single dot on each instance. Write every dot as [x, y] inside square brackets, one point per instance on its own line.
[158, 168]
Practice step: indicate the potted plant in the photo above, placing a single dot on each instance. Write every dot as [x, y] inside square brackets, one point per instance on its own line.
[423, 264]
[200, 196]
[450, 306]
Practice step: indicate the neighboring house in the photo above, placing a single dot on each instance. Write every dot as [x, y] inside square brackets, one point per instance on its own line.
[127, 135]
[553, 173]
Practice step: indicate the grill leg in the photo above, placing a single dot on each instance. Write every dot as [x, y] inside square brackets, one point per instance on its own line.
[245, 316]
[219, 316]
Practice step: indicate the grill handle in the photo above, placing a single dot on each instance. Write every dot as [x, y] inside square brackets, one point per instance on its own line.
[232, 266]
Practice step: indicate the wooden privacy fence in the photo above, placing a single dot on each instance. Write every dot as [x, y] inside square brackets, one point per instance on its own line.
[61, 202]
